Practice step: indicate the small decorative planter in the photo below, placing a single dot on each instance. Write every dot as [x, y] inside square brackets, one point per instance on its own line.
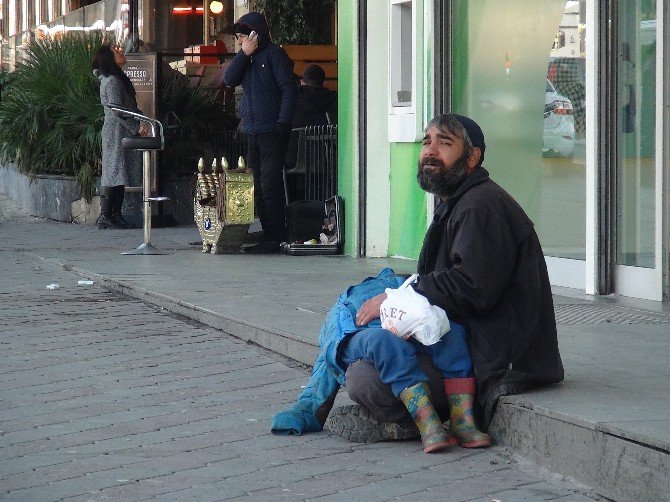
[223, 207]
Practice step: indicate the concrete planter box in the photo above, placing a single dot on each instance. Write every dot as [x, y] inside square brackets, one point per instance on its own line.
[59, 198]
[45, 196]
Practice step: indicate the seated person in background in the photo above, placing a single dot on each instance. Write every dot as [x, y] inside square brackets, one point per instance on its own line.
[315, 105]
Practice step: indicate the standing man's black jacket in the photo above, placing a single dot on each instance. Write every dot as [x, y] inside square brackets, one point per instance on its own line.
[267, 80]
[482, 262]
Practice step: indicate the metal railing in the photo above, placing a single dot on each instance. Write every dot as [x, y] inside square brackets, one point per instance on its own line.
[232, 145]
[315, 170]
[316, 161]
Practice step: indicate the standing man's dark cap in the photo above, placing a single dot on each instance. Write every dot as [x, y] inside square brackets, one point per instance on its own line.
[242, 29]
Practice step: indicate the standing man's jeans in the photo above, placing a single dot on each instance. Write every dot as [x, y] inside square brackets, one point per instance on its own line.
[265, 156]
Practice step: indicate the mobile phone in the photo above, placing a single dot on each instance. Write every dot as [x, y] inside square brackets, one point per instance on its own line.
[252, 34]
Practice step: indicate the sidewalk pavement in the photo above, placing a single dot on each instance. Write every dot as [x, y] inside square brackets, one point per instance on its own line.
[107, 398]
[607, 425]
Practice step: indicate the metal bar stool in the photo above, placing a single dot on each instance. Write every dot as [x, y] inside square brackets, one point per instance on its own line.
[145, 145]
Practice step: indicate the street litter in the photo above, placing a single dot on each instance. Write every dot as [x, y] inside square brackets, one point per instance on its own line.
[85, 283]
[53, 286]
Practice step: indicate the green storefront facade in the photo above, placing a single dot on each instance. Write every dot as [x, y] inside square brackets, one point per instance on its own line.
[396, 214]
[572, 97]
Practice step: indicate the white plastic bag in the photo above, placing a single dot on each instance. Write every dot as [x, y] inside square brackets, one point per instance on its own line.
[406, 313]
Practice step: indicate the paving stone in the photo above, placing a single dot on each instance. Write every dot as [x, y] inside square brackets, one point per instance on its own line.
[532, 492]
[580, 497]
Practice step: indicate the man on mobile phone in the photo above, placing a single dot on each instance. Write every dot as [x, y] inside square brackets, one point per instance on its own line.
[266, 75]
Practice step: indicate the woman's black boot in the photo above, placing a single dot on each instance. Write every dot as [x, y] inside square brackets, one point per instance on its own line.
[117, 204]
[106, 200]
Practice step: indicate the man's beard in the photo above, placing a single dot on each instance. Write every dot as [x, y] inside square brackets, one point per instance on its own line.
[442, 181]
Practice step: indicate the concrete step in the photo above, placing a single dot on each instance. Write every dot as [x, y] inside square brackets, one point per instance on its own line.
[601, 457]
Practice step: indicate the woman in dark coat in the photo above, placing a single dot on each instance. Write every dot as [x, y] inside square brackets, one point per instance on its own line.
[117, 163]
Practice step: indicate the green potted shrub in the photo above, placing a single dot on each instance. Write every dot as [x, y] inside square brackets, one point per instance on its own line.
[50, 113]
[193, 115]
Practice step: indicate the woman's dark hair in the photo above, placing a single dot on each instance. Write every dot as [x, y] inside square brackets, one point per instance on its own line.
[103, 60]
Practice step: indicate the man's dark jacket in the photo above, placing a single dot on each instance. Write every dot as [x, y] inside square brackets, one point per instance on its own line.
[267, 80]
[312, 105]
[315, 105]
[482, 263]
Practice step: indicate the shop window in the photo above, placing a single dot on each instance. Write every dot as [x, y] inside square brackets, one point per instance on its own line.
[40, 12]
[559, 40]
[52, 10]
[401, 54]
[24, 17]
[405, 70]
[12, 18]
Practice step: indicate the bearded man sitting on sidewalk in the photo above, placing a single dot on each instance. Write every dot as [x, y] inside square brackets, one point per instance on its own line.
[482, 263]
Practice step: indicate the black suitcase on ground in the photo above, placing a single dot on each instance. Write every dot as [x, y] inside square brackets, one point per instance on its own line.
[307, 220]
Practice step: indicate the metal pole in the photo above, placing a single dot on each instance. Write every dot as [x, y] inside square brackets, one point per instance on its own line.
[146, 247]
[205, 22]
[146, 179]
[133, 21]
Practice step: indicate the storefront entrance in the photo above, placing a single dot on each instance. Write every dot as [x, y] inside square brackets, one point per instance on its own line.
[638, 174]
[569, 103]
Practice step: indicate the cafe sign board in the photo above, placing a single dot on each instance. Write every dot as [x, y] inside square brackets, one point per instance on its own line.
[141, 69]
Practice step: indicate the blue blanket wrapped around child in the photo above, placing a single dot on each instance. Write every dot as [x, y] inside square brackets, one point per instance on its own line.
[328, 374]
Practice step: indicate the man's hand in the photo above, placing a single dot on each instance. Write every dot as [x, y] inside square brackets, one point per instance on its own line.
[369, 310]
[145, 130]
[250, 44]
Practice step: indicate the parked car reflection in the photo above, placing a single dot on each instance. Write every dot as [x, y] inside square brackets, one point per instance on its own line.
[559, 124]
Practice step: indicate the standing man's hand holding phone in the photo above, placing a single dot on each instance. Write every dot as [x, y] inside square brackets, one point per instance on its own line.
[250, 43]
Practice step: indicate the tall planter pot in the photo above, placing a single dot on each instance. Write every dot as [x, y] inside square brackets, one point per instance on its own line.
[180, 192]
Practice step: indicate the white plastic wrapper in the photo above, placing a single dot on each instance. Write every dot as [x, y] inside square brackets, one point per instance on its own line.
[406, 313]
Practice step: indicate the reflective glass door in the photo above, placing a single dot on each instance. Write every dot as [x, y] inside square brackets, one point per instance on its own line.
[635, 239]
[519, 69]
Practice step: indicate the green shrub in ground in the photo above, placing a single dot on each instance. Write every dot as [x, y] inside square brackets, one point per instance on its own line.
[51, 116]
[50, 113]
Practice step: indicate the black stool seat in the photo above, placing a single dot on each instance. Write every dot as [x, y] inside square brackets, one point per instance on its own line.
[141, 143]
